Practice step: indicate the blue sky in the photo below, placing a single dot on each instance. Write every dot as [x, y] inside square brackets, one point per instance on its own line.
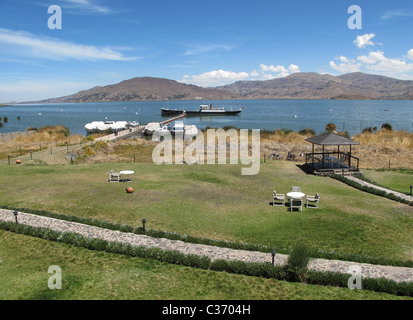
[207, 43]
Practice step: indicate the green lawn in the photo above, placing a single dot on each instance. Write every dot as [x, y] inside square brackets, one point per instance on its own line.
[398, 180]
[89, 275]
[216, 201]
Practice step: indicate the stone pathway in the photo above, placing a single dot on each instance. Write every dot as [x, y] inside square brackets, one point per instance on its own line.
[398, 274]
[388, 191]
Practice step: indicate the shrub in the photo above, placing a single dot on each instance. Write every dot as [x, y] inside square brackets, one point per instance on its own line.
[88, 139]
[88, 152]
[297, 263]
[331, 127]
[307, 132]
[55, 130]
[387, 126]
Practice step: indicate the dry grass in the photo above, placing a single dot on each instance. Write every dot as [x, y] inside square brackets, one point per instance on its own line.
[46, 137]
[375, 149]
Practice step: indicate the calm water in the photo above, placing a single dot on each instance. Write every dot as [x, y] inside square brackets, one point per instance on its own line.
[351, 116]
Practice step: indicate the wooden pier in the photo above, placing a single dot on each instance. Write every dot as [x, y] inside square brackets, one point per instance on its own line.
[129, 133]
[183, 115]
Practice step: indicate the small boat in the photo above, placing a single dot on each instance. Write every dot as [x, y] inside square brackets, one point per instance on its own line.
[151, 127]
[204, 110]
[163, 131]
[103, 126]
[132, 124]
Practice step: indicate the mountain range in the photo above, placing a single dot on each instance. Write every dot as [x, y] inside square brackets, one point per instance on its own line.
[352, 86]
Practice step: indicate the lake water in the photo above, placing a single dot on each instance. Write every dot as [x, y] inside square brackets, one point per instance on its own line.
[349, 115]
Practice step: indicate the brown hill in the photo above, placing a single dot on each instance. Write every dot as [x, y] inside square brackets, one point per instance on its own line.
[296, 86]
[316, 86]
[141, 89]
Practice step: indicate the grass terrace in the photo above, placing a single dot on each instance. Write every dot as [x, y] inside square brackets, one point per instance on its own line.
[215, 201]
[204, 201]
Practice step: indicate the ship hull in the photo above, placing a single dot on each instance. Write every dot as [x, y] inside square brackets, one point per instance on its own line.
[204, 113]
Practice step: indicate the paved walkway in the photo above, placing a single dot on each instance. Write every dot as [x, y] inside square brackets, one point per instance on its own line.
[398, 274]
[123, 134]
[388, 191]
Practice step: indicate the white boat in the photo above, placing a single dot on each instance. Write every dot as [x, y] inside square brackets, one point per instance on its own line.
[103, 126]
[163, 131]
[133, 124]
[151, 127]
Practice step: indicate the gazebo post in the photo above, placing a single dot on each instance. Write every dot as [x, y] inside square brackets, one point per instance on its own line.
[338, 153]
[313, 155]
[323, 157]
[349, 158]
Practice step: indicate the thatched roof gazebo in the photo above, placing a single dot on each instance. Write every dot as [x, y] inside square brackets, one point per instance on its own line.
[331, 162]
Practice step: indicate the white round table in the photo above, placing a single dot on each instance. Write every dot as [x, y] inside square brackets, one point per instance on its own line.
[296, 195]
[126, 175]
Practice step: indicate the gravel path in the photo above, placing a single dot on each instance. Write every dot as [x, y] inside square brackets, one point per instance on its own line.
[398, 274]
[388, 191]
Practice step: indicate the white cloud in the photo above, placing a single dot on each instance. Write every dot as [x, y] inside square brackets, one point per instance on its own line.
[346, 65]
[57, 49]
[378, 62]
[215, 78]
[364, 40]
[294, 68]
[395, 14]
[410, 54]
[281, 70]
[88, 5]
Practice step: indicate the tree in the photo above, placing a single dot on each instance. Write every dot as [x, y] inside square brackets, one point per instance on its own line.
[331, 127]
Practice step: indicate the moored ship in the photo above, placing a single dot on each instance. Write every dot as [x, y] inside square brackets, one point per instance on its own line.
[204, 110]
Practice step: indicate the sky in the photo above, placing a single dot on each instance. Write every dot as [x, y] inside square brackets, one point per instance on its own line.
[206, 43]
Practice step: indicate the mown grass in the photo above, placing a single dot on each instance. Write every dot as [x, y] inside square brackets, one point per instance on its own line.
[216, 201]
[398, 180]
[92, 275]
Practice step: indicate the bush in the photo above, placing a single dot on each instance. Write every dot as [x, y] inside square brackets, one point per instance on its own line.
[88, 152]
[387, 126]
[365, 130]
[331, 127]
[297, 263]
[307, 132]
[55, 130]
[88, 139]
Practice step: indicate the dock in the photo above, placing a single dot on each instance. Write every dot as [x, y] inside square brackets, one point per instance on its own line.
[183, 115]
[124, 134]
[135, 131]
